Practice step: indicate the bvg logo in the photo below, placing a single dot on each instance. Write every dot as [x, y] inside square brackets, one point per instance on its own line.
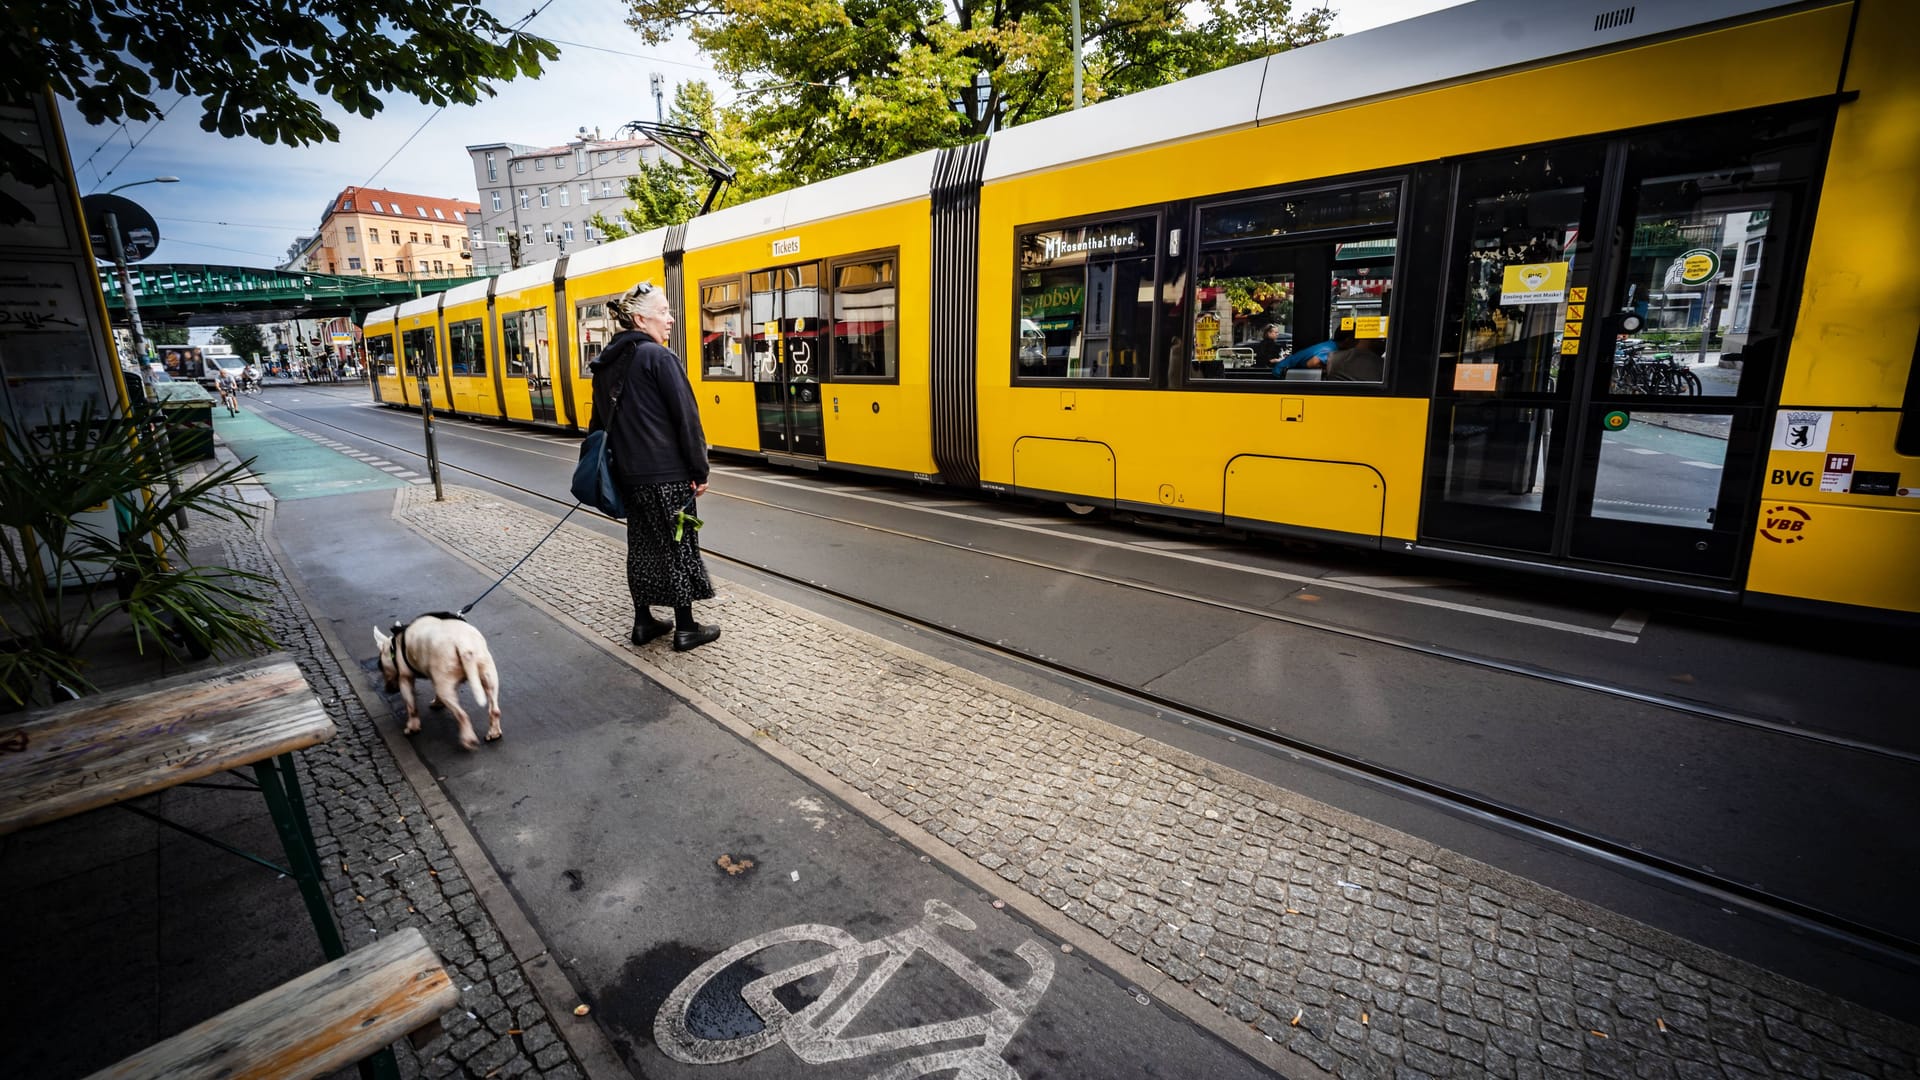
[1783, 524]
[1793, 477]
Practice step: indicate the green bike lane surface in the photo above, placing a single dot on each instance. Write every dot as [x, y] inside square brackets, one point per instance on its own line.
[294, 466]
[608, 807]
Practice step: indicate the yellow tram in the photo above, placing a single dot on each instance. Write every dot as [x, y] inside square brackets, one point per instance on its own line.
[1617, 294]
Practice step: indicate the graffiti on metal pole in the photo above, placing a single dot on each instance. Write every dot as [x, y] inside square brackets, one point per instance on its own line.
[815, 1033]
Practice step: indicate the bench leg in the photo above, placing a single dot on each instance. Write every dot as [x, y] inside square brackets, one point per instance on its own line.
[297, 838]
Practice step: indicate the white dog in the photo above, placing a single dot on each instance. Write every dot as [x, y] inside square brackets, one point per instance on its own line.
[447, 649]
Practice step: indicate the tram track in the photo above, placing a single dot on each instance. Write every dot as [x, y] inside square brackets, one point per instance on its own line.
[1801, 917]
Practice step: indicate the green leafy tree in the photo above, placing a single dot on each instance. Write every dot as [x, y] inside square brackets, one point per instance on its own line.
[829, 86]
[166, 335]
[255, 67]
[245, 339]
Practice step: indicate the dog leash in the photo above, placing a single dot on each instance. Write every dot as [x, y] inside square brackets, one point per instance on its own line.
[516, 566]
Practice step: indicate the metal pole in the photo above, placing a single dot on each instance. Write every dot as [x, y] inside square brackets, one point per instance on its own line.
[1076, 53]
[158, 431]
[433, 456]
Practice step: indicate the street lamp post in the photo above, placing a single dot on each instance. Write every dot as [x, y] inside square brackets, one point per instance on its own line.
[111, 223]
[112, 226]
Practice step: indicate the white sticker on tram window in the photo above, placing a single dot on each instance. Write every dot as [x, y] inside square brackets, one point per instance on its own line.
[1801, 429]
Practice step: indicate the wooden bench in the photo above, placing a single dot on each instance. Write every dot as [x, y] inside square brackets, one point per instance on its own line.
[324, 1020]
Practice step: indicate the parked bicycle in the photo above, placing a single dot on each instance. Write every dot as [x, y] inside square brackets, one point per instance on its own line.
[815, 1033]
[1637, 369]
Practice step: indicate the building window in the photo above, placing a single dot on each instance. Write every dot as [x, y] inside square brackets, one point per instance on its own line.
[352, 238]
[500, 233]
[520, 166]
[545, 200]
[379, 266]
[539, 164]
[446, 241]
[566, 230]
[586, 192]
[496, 202]
[620, 156]
[459, 216]
[606, 189]
[493, 171]
[378, 207]
[564, 196]
[346, 204]
[526, 236]
[438, 215]
[413, 238]
[373, 236]
[436, 266]
[523, 200]
[396, 235]
[560, 163]
[353, 262]
[422, 210]
[591, 233]
[548, 229]
[579, 161]
[604, 156]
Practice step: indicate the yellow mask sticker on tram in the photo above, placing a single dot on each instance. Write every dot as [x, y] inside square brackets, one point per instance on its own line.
[1533, 283]
[1369, 326]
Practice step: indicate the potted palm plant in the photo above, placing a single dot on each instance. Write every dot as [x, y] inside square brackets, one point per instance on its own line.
[56, 553]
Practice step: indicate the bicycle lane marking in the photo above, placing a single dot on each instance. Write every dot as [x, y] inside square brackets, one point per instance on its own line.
[822, 1041]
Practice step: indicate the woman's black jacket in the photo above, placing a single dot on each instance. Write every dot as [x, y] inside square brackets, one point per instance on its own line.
[658, 438]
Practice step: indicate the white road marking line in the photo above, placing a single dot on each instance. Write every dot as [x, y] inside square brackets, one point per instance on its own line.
[394, 468]
[1642, 450]
[1174, 545]
[1392, 582]
[1701, 464]
[1278, 575]
[1030, 521]
[1631, 621]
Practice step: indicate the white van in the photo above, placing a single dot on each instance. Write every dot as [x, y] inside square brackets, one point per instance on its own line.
[227, 362]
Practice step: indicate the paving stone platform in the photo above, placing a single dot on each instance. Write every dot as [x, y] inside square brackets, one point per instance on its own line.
[1362, 950]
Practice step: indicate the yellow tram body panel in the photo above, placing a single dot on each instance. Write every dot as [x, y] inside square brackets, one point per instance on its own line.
[1184, 440]
[473, 393]
[591, 327]
[873, 425]
[516, 398]
[379, 329]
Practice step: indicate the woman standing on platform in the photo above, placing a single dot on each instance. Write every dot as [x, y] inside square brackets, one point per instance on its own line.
[641, 396]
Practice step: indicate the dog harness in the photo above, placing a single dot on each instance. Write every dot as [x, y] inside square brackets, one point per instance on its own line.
[399, 640]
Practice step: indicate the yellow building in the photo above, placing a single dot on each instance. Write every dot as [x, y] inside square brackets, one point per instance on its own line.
[373, 232]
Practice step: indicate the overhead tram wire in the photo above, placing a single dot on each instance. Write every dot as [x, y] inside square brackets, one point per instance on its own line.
[1798, 916]
[134, 144]
[431, 117]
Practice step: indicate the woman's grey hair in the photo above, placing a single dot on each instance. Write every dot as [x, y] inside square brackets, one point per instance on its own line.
[628, 307]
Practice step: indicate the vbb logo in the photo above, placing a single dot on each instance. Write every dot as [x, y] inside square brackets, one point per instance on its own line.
[1784, 524]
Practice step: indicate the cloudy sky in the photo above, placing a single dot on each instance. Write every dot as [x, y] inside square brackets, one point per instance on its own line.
[242, 203]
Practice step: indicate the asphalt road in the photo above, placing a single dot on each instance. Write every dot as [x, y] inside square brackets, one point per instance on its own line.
[1207, 623]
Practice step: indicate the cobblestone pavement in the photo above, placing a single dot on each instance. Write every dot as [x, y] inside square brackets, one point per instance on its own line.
[1359, 948]
[388, 868]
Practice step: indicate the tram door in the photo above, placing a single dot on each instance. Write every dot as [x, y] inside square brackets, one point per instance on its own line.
[1615, 313]
[789, 351]
[523, 341]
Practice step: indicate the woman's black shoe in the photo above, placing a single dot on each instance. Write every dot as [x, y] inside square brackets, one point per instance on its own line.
[694, 638]
[649, 628]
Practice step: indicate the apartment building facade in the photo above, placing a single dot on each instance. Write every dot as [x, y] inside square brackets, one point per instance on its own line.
[545, 195]
[374, 232]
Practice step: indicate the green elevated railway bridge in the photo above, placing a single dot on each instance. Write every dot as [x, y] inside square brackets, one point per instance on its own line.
[192, 294]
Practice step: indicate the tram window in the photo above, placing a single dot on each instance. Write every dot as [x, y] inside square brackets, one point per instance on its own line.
[596, 329]
[523, 342]
[1527, 221]
[722, 348]
[1087, 298]
[380, 353]
[466, 351]
[417, 351]
[1714, 211]
[865, 318]
[1281, 296]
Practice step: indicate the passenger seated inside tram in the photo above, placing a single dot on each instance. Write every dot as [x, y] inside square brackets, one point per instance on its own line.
[1312, 358]
[1360, 361]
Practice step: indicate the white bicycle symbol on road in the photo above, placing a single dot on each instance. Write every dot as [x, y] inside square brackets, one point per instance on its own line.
[814, 1032]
